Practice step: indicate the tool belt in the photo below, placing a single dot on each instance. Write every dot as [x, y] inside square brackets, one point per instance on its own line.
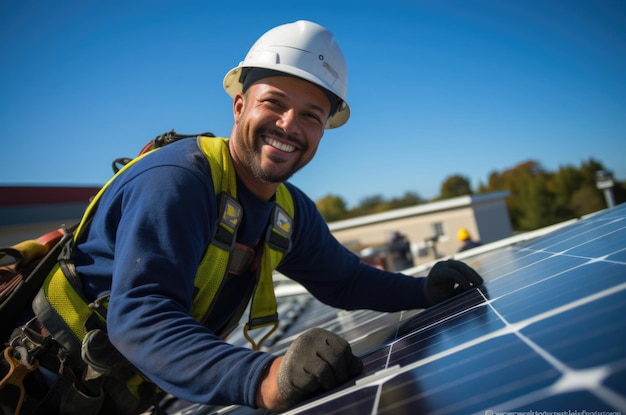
[38, 377]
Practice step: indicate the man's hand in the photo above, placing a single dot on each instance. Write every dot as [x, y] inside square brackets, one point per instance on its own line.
[449, 278]
[317, 361]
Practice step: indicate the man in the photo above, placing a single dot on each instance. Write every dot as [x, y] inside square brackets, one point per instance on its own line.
[399, 251]
[150, 233]
[466, 240]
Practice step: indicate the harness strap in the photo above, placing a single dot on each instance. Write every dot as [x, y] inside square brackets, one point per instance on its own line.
[263, 312]
[263, 308]
[241, 259]
[62, 309]
[279, 234]
[60, 304]
[228, 222]
[86, 219]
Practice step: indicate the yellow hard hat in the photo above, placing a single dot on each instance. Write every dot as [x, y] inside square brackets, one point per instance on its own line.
[463, 235]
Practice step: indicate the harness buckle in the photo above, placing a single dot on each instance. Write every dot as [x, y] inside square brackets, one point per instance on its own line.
[228, 222]
[30, 341]
[278, 235]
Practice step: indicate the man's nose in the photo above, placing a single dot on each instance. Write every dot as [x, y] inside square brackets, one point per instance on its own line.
[289, 122]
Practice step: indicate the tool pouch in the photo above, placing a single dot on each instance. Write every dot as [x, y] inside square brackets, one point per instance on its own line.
[99, 354]
[74, 402]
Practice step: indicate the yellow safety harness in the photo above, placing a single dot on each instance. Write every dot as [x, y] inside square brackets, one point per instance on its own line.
[223, 251]
[74, 321]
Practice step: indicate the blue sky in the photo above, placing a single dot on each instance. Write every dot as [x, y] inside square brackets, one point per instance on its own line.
[436, 88]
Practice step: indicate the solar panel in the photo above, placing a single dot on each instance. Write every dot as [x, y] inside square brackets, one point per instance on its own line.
[544, 334]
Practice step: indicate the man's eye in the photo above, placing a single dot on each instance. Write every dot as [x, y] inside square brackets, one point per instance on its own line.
[314, 116]
[273, 102]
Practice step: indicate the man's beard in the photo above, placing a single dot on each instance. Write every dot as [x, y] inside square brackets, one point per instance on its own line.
[252, 158]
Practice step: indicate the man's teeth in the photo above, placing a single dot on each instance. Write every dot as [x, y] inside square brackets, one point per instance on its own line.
[281, 146]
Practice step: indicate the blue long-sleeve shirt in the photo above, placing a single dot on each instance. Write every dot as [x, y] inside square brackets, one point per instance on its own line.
[147, 237]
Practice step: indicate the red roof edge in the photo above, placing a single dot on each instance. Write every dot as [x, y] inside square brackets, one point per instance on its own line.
[44, 195]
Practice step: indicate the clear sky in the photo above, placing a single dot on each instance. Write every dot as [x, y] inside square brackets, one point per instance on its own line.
[436, 87]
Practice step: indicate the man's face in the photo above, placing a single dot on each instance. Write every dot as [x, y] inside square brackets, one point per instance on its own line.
[279, 123]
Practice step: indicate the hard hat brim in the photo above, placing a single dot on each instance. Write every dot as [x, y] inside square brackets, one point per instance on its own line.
[233, 85]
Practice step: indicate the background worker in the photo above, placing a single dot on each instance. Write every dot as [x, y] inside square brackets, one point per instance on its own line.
[154, 223]
[400, 253]
[465, 238]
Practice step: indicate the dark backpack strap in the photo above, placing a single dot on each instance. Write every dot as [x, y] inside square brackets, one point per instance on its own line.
[171, 136]
[160, 141]
[68, 267]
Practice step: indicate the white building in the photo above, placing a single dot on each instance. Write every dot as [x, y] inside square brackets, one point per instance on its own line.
[430, 227]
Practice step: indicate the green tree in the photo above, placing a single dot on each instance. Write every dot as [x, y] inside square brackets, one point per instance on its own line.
[332, 208]
[368, 206]
[576, 192]
[518, 181]
[588, 171]
[563, 185]
[585, 200]
[482, 188]
[535, 203]
[619, 190]
[537, 197]
[408, 199]
[372, 203]
[455, 185]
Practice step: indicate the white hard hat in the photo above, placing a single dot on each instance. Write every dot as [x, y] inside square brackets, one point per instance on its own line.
[303, 49]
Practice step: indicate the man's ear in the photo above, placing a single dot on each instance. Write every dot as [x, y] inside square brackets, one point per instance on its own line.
[238, 103]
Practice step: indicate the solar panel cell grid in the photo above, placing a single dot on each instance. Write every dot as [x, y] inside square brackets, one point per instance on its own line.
[544, 333]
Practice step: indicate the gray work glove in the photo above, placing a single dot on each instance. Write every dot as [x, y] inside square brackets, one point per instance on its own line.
[317, 361]
[449, 278]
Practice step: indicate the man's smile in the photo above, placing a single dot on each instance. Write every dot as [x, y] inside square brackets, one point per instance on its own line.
[287, 148]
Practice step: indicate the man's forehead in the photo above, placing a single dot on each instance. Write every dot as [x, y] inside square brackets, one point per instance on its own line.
[284, 85]
[252, 75]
